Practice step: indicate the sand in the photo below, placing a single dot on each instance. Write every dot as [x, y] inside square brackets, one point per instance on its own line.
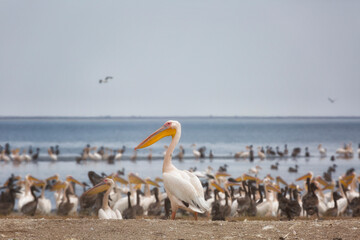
[90, 228]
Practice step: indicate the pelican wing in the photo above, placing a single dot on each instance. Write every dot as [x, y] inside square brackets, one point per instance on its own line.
[186, 187]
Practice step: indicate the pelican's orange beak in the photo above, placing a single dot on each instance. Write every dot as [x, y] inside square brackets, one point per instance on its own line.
[149, 181]
[279, 179]
[100, 187]
[55, 177]
[222, 174]
[158, 179]
[249, 177]
[239, 179]
[71, 179]
[58, 186]
[40, 184]
[218, 187]
[308, 175]
[120, 180]
[271, 187]
[162, 132]
[34, 179]
[135, 179]
[320, 180]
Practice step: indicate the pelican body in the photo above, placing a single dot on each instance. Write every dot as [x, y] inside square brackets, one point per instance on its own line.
[183, 188]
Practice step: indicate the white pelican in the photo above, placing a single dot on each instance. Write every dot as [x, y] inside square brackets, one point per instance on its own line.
[183, 188]
[44, 204]
[5, 157]
[322, 151]
[24, 156]
[27, 196]
[148, 199]
[121, 204]
[105, 212]
[269, 205]
[196, 153]
[94, 156]
[52, 155]
[261, 154]
[255, 170]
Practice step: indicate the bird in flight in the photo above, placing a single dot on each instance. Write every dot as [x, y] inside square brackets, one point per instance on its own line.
[331, 100]
[105, 80]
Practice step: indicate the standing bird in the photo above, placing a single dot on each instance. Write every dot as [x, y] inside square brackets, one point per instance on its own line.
[261, 153]
[105, 212]
[322, 151]
[295, 152]
[281, 154]
[30, 207]
[52, 154]
[307, 154]
[196, 153]
[183, 188]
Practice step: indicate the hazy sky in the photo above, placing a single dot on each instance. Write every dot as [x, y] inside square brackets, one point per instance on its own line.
[189, 57]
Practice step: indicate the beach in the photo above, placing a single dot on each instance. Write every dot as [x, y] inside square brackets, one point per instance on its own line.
[85, 228]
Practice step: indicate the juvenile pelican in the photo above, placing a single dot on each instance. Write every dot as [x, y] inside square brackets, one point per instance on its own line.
[183, 188]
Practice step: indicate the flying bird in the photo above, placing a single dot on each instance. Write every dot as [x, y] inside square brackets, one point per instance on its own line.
[105, 80]
[331, 100]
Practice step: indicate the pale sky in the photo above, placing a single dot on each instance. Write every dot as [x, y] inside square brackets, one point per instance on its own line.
[182, 58]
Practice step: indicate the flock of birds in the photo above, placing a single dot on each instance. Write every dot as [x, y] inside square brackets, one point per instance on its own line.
[201, 193]
[108, 154]
[115, 197]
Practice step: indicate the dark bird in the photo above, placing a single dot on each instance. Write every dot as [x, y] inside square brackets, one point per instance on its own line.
[94, 178]
[65, 206]
[226, 209]
[274, 167]
[139, 210]
[307, 154]
[286, 151]
[130, 212]
[105, 80]
[294, 170]
[155, 208]
[331, 100]
[295, 152]
[57, 150]
[167, 208]
[30, 207]
[36, 154]
[217, 214]
[7, 199]
[281, 154]
[310, 200]
[333, 212]
[121, 172]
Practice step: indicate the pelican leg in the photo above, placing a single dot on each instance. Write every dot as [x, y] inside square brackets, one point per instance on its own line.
[195, 216]
[173, 215]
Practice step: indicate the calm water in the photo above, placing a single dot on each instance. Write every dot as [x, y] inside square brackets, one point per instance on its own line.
[224, 136]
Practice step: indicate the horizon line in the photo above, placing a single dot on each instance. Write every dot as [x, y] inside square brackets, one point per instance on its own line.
[172, 116]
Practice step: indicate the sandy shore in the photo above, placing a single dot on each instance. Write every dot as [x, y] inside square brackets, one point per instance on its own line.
[89, 228]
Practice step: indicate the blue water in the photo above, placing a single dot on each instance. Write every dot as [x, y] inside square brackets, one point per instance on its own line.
[224, 136]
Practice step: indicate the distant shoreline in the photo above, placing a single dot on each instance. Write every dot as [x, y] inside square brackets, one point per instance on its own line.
[174, 117]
